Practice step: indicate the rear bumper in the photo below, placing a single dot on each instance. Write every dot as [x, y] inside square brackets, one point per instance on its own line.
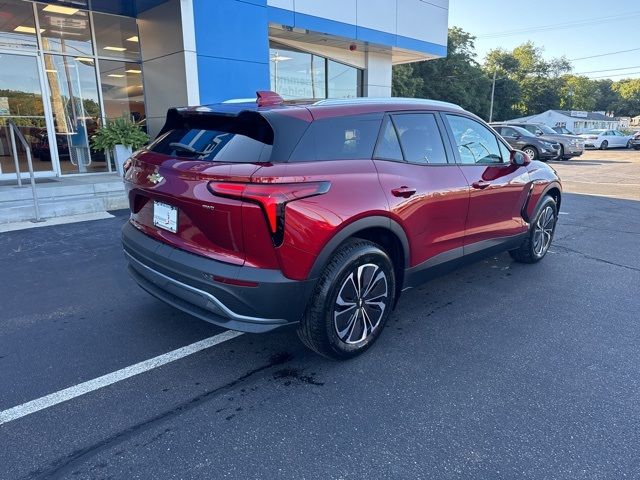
[185, 281]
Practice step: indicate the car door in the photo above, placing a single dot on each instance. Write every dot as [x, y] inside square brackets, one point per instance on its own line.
[621, 139]
[499, 188]
[512, 137]
[425, 189]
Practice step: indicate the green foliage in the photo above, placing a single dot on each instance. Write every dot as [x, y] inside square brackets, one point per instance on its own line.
[121, 131]
[526, 82]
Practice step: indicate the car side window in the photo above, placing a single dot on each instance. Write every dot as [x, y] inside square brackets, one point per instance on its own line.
[476, 143]
[508, 132]
[388, 147]
[420, 138]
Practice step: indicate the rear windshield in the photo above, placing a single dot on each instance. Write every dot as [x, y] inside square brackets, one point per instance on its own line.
[211, 145]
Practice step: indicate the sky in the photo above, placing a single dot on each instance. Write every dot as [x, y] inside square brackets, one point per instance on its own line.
[598, 27]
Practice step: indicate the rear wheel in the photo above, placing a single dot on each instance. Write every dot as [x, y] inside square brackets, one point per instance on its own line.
[604, 145]
[561, 154]
[540, 235]
[351, 302]
[531, 152]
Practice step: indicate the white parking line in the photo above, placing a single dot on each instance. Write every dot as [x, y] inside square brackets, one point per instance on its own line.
[52, 399]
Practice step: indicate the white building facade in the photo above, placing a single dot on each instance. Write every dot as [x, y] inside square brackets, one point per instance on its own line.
[575, 121]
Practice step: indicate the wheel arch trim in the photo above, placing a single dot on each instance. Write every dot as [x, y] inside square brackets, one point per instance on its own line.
[351, 230]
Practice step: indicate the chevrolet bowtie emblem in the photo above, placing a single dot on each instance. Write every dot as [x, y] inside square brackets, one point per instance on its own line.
[155, 178]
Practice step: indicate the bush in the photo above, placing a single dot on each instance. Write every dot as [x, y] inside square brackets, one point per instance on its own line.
[121, 131]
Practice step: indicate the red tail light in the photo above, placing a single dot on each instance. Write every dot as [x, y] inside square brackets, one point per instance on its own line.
[272, 197]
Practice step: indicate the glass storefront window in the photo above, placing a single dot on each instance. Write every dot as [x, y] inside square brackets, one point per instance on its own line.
[76, 111]
[116, 37]
[297, 75]
[300, 75]
[17, 25]
[122, 91]
[65, 30]
[344, 81]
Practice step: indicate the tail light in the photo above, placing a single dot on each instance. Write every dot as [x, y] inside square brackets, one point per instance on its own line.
[272, 197]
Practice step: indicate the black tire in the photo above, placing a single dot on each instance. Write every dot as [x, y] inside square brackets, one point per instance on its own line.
[604, 145]
[561, 154]
[629, 145]
[329, 306]
[532, 152]
[529, 251]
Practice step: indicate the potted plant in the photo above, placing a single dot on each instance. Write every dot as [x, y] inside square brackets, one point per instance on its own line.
[120, 136]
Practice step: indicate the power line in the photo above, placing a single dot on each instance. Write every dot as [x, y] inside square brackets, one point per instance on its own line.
[616, 75]
[565, 25]
[604, 54]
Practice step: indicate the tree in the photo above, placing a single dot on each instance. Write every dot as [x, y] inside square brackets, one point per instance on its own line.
[629, 97]
[579, 93]
[457, 78]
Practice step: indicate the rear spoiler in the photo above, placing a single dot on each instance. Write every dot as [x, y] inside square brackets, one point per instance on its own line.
[246, 122]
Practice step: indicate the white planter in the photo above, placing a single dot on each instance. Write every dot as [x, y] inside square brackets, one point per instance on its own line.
[121, 154]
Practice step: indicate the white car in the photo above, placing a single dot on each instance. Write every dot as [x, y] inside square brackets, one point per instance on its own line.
[603, 139]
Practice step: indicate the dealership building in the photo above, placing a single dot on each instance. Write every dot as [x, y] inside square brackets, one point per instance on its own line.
[68, 66]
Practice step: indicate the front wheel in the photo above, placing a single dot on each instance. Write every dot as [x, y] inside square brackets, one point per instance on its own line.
[351, 302]
[604, 145]
[629, 144]
[531, 152]
[538, 240]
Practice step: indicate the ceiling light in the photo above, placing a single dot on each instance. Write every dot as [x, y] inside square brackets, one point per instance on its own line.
[60, 9]
[115, 49]
[51, 71]
[133, 71]
[84, 59]
[133, 39]
[115, 75]
[23, 29]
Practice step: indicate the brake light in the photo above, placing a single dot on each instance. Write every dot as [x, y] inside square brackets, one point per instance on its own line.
[272, 197]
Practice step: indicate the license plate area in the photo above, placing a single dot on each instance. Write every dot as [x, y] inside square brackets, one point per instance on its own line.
[165, 216]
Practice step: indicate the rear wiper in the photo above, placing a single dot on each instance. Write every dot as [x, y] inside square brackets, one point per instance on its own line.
[186, 148]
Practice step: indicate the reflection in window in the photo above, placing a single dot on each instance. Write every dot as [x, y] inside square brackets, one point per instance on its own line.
[476, 143]
[420, 138]
[297, 74]
[301, 75]
[17, 25]
[116, 36]
[344, 81]
[65, 30]
[122, 91]
[76, 110]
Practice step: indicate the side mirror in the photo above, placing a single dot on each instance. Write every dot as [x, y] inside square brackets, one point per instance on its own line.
[519, 158]
[539, 133]
[517, 136]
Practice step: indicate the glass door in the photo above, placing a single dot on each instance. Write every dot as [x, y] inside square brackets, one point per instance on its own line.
[21, 101]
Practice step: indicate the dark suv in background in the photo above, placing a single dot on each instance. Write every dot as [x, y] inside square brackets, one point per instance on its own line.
[535, 147]
[570, 145]
[258, 215]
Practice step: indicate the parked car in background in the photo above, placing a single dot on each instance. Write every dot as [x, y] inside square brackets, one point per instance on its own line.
[570, 145]
[535, 147]
[259, 215]
[602, 138]
[635, 141]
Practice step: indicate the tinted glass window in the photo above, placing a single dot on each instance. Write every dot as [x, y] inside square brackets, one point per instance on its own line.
[420, 138]
[339, 138]
[507, 132]
[211, 145]
[475, 142]
[388, 145]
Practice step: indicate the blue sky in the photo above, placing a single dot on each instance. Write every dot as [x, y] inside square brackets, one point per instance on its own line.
[606, 27]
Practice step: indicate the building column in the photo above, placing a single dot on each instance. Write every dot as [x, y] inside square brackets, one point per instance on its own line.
[377, 74]
[169, 60]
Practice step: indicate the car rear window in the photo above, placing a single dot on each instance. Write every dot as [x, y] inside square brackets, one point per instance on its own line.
[339, 138]
[211, 145]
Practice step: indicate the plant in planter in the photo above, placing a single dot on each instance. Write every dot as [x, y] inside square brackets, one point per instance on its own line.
[120, 136]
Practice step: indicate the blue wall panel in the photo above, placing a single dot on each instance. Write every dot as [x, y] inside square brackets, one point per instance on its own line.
[232, 43]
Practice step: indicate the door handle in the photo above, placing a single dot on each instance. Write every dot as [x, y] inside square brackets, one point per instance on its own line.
[404, 191]
[480, 185]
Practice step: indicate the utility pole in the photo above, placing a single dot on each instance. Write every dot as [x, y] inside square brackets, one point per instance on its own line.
[493, 92]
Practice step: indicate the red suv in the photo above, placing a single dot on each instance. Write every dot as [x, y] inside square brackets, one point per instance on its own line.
[257, 215]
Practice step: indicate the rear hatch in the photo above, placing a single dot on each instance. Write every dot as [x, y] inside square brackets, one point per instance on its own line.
[169, 183]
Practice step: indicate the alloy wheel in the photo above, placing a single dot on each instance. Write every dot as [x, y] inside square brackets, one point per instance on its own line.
[530, 152]
[361, 303]
[543, 231]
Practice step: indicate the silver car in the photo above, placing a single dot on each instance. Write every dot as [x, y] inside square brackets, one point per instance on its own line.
[570, 145]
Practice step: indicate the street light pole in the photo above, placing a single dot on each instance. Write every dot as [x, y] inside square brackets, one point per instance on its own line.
[493, 92]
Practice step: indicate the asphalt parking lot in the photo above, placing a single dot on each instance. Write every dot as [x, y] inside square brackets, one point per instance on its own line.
[499, 370]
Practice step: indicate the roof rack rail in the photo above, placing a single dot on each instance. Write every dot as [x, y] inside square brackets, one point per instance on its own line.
[401, 100]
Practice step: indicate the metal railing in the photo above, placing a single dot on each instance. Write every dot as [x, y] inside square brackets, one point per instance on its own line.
[13, 131]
